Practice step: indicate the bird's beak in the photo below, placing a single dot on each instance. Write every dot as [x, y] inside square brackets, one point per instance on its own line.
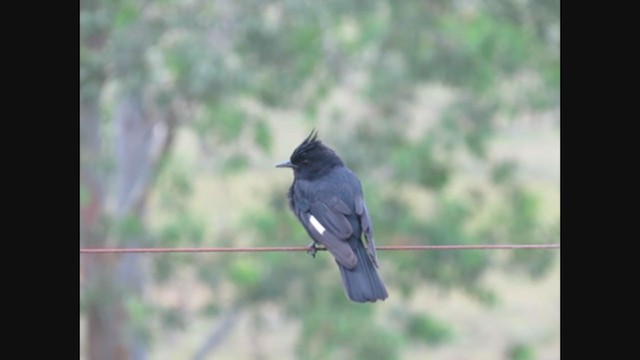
[285, 163]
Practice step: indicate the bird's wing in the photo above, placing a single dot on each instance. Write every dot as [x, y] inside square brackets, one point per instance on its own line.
[365, 224]
[327, 223]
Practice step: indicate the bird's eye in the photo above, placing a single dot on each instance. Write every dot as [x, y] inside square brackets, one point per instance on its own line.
[305, 162]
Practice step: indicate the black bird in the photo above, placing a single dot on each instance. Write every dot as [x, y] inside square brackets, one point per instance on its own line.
[327, 199]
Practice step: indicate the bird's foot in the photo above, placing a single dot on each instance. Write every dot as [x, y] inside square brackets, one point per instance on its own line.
[313, 249]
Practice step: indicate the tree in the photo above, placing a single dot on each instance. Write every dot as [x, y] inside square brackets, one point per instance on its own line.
[149, 69]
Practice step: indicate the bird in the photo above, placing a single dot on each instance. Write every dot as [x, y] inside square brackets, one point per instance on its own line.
[327, 198]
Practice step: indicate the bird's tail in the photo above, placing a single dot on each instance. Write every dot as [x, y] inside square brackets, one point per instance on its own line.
[363, 283]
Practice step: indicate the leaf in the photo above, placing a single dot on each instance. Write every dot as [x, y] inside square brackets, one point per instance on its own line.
[234, 164]
[130, 226]
[262, 136]
[428, 329]
[520, 351]
[244, 273]
[127, 14]
[503, 172]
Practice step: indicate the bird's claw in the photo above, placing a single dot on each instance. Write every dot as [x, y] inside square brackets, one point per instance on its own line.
[313, 249]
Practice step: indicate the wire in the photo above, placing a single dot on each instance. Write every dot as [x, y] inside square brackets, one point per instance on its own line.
[305, 248]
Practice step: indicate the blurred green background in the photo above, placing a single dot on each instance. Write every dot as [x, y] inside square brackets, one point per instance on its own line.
[448, 112]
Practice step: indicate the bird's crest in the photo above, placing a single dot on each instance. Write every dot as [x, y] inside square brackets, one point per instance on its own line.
[310, 143]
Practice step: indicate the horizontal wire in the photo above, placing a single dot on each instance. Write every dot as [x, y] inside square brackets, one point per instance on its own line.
[306, 248]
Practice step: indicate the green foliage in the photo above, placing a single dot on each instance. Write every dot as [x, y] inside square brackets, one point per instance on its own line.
[182, 228]
[201, 60]
[448, 269]
[263, 48]
[126, 15]
[224, 121]
[422, 164]
[262, 136]
[503, 172]
[234, 164]
[521, 212]
[338, 330]
[139, 312]
[520, 352]
[129, 227]
[244, 274]
[172, 318]
[481, 46]
[428, 329]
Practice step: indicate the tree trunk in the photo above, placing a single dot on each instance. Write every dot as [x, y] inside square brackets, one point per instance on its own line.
[105, 312]
[112, 279]
[115, 194]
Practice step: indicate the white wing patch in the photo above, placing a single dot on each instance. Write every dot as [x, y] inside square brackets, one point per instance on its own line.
[316, 224]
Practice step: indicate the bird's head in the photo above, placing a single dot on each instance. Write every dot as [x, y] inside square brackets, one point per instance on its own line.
[312, 158]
